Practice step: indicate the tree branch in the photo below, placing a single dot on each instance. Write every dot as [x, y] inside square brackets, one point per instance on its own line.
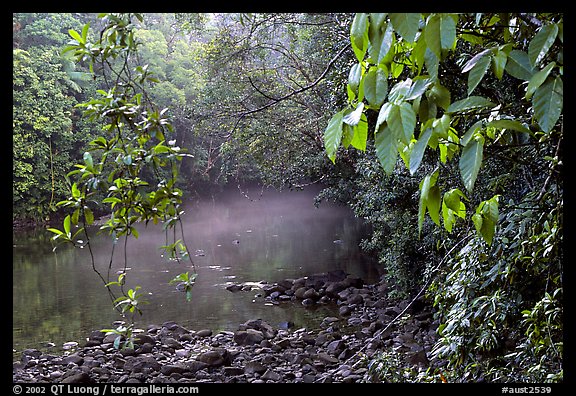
[289, 95]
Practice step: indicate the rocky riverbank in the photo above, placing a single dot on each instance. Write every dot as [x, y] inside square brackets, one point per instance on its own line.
[257, 352]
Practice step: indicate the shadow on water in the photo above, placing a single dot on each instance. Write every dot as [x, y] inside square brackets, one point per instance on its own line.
[58, 298]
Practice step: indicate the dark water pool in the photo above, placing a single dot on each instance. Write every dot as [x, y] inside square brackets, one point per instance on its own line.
[58, 298]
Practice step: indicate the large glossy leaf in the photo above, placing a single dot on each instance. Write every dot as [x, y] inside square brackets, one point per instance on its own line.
[333, 136]
[418, 87]
[519, 65]
[538, 78]
[541, 43]
[406, 24]
[352, 118]
[477, 72]
[472, 62]
[386, 148]
[354, 77]
[499, 61]
[440, 33]
[402, 121]
[360, 134]
[470, 162]
[486, 218]
[418, 150]
[376, 86]
[429, 199]
[386, 43]
[439, 95]
[359, 35]
[469, 103]
[548, 102]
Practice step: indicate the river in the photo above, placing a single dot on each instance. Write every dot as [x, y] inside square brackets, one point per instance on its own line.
[57, 297]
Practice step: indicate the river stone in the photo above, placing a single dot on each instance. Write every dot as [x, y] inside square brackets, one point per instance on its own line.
[253, 367]
[204, 333]
[248, 337]
[142, 339]
[299, 293]
[311, 294]
[169, 369]
[137, 364]
[271, 375]
[215, 357]
[78, 377]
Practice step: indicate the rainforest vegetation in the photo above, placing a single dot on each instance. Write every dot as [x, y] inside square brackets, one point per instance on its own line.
[443, 131]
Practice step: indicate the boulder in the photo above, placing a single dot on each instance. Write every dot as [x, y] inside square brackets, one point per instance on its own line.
[137, 364]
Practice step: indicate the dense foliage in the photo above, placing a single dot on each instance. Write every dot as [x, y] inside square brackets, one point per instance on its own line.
[443, 131]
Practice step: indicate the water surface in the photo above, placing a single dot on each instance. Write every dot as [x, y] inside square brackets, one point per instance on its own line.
[58, 298]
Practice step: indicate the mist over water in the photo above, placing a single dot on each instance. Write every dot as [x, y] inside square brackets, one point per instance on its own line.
[277, 235]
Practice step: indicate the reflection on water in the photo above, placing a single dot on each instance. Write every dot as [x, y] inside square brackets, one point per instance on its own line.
[58, 298]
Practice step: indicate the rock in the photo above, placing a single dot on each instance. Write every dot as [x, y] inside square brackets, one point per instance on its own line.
[355, 299]
[311, 294]
[253, 367]
[324, 357]
[335, 347]
[248, 337]
[172, 343]
[138, 364]
[334, 288]
[232, 371]
[344, 310]
[142, 339]
[285, 325]
[204, 333]
[307, 302]
[169, 369]
[195, 365]
[74, 358]
[215, 357]
[299, 293]
[81, 378]
[234, 288]
[271, 375]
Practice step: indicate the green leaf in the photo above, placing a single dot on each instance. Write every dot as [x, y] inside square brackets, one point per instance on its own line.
[474, 60]
[470, 133]
[386, 148]
[376, 86]
[88, 160]
[439, 95]
[429, 199]
[419, 85]
[541, 43]
[360, 134]
[499, 63]
[406, 24]
[402, 121]
[486, 218]
[353, 117]
[469, 103]
[440, 33]
[354, 77]
[55, 231]
[383, 114]
[509, 124]
[519, 65]
[75, 191]
[399, 91]
[477, 72]
[88, 216]
[418, 150]
[67, 226]
[359, 35]
[76, 36]
[538, 79]
[333, 136]
[386, 43]
[548, 102]
[470, 161]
